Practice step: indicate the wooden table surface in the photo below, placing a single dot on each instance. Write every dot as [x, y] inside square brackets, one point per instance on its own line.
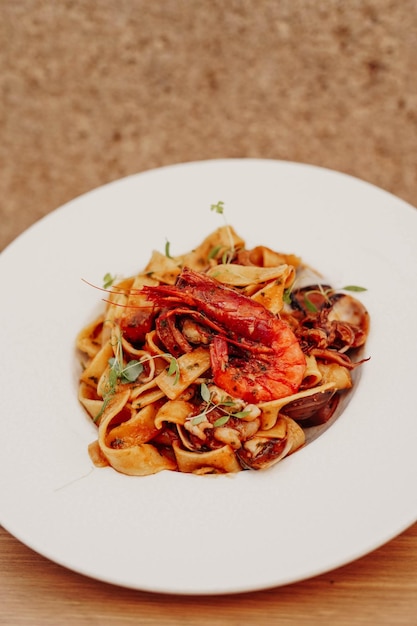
[376, 590]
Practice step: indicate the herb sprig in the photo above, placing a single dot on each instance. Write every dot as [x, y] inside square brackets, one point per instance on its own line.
[121, 374]
[326, 293]
[108, 280]
[207, 396]
[229, 253]
[168, 249]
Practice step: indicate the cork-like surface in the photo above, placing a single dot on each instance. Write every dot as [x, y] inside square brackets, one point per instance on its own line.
[94, 90]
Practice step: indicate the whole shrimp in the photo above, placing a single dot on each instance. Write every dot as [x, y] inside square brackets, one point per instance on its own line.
[254, 355]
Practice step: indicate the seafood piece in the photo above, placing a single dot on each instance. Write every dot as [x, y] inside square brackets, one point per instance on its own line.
[270, 446]
[136, 316]
[136, 320]
[314, 409]
[178, 340]
[253, 354]
[329, 320]
[319, 403]
[348, 310]
[338, 358]
[219, 424]
[272, 411]
[260, 377]
[310, 298]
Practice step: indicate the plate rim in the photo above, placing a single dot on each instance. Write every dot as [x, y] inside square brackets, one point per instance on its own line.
[32, 230]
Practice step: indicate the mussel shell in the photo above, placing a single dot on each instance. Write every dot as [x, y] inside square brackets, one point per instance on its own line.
[313, 295]
[270, 453]
[313, 410]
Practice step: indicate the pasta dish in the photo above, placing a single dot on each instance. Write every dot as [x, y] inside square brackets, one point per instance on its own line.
[216, 361]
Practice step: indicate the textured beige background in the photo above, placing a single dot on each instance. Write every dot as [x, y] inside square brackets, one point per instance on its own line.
[91, 91]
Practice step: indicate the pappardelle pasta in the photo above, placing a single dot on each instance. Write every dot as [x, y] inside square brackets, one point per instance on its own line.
[216, 361]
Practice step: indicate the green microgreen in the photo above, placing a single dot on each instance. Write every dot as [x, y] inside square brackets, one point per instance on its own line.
[218, 207]
[205, 392]
[207, 396]
[309, 304]
[353, 288]
[167, 249]
[326, 293]
[221, 421]
[124, 373]
[198, 419]
[214, 252]
[127, 374]
[227, 256]
[173, 369]
[229, 253]
[108, 280]
[120, 374]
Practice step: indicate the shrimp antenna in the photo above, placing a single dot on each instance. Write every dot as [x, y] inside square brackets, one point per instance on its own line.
[115, 290]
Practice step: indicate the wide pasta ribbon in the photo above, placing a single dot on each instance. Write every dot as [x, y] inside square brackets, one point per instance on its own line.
[125, 446]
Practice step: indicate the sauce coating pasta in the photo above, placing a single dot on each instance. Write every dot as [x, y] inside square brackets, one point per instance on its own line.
[215, 361]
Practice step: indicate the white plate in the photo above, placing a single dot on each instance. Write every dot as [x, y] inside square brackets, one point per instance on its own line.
[340, 497]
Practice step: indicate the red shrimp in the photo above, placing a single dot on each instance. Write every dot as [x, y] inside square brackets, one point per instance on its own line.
[254, 355]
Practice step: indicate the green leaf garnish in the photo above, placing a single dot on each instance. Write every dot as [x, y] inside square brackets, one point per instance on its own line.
[198, 419]
[123, 374]
[211, 405]
[132, 371]
[228, 254]
[205, 392]
[241, 414]
[173, 369]
[108, 280]
[214, 252]
[353, 288]
[113, 376]
[119, 374]
[326, 293]
[167, 251]
[218, 208]
[221, 421]
[309, 305]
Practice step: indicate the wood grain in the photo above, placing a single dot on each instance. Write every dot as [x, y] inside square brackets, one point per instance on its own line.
[378, 589]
